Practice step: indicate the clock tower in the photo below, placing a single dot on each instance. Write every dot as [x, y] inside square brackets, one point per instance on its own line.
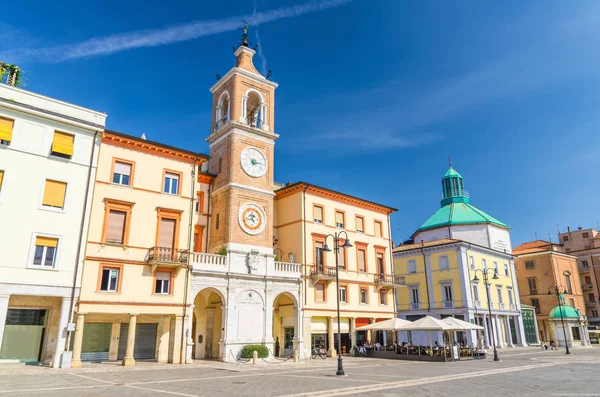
[241, 144]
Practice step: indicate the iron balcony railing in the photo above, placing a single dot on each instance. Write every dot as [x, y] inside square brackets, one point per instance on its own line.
[322, 271]
[415, 306]
[167, 255]
[590, 303]
[389, 279]
[587, 286]
[221, 123]
[448, 304]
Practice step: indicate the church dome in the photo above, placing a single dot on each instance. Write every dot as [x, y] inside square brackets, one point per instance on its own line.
[456, 207]
[567, 312]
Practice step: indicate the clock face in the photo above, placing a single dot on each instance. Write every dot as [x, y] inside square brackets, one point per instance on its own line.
[252, 218]
[253, 162]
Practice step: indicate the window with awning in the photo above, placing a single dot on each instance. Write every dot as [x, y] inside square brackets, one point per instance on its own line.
[6, 130]
[122, 173]
[45, 251]
[62, 144]
[54, 194]
[339, 219]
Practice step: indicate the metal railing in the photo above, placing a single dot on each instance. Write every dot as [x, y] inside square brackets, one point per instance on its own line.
[209, 259]
[415, 306]
[584, 268]
[513, 306]
[502, 306]
[255, 122]
[590, 303]
[221, 123]
[287, 267]
[587, 286]
[389, 279]
[478, 304]
[322, 271]
[448, 304]
[167, 255]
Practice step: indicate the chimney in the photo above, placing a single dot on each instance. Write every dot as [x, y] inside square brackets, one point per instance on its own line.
[568, 229]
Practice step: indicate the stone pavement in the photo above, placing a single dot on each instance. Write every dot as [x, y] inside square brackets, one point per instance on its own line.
[529, 371]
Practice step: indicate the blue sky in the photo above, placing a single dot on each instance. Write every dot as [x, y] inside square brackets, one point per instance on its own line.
[373, 96]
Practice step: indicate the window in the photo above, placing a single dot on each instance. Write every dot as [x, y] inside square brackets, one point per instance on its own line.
[362, 265]
[506, 269]
[484, 264]
[529, 265]
[536, 303]
[591, 297]
[318, 214]
[568, 283]
[444, 263]
[412, 267]
[414, 295]
[585, 235]
[510, 296]
[319, 292]
[171, 185]
[364, 295]
[341, 257]
[54, 194]
[163, 283]
[380, 264]
[62, 145]
[122, 172]
[115, 232]
[6, 130]
[360, 224]
[1, 179]
[343, 294]
[447, 294]
[378, 229]
[496, 268]
[532, 286]
[45, 251]
[318, 253]
[200, 202]
[217, 221]
[565, 238]
[587, 280]
[572, 302]
[382, 297]
[476, 292]
[472, 262]
[499, 291]
[109, 281]
[594, 313]
[583, 263]
[220, 165]
[339, 219]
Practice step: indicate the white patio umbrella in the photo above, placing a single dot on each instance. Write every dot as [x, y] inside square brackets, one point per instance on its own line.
[464, 325]
[429, 324]
[393, 324]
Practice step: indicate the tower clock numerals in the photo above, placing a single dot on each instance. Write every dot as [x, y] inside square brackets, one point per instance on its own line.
[254, 163]
[252, 218]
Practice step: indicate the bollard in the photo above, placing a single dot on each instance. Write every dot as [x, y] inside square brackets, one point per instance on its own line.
[254, 357]
[295, 356]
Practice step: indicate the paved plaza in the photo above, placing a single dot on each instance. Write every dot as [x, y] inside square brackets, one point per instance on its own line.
[526, 371]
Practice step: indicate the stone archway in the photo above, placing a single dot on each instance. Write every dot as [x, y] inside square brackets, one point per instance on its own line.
[286, 323]
[207, 324]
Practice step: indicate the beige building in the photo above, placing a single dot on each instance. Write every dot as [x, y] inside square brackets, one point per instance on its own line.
[541, 265]
[305, 217]
[585, 245]
[134, 297]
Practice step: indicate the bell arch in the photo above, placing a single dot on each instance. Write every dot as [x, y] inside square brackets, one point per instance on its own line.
[286, 324]
[207, 324]
[254, 109]
[223, 110]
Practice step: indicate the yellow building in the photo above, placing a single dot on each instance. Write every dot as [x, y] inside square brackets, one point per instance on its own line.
[305, 215]
[444, 268]
[134, 295]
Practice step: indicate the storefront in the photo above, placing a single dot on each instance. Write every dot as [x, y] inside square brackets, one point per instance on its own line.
[318, 330]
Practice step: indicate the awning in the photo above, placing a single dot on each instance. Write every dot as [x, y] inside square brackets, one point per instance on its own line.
[429, 323]
[460, 323]
[318, 325]
[387, 325]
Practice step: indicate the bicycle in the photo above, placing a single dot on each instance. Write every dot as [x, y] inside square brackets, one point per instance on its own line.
[318, 351]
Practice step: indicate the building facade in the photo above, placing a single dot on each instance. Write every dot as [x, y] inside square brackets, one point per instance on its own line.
[541, 265]
[48, 157]
[585, 245]
[306, 215]
[443, 270]
[134, 300]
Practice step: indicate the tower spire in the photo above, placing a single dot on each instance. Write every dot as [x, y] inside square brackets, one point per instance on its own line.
[449, 161]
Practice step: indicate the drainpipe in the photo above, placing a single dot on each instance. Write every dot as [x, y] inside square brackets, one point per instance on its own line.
[392, 264]
[426, 276]
[304, 242]
[183, 350]
[80, 239]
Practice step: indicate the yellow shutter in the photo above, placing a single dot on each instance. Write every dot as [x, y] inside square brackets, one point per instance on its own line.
[54, 194]
[63, 143]
[46, 241]
[6, 129]
[1, 179]
[339, 218]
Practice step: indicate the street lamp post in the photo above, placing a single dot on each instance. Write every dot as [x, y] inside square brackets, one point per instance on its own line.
[485, 274]
[558, 290]
[336, 249]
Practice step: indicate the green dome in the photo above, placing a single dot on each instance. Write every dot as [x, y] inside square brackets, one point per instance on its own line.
[567, 311]
[452, 173]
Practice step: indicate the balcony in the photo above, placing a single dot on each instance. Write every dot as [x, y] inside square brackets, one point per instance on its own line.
[478, 304]
[167, 257]
[448, 304]
[288, 268]
[415, 306]
[502, 306]
[587, 286]
[322, 272]
[388, 280]
[513, 307]
[583, 269]
[590, 303]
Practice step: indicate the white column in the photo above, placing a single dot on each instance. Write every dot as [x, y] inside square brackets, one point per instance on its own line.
[508, 333]
[497, 331]
[62, 331]
[522, 341]
[486, 332]
[244, 109]
[3, 312]
[353, 331]
[263, 116]
[471, 334]
[129, 360]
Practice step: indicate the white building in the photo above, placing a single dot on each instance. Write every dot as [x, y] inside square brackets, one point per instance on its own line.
[48, 155]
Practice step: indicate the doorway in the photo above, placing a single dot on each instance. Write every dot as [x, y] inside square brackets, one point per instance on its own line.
[288, 341]
[24, 334]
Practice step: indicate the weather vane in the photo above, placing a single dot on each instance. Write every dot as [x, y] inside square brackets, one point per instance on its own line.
[245, 42]
[449, 161]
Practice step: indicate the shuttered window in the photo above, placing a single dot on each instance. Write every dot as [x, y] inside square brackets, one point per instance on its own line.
[163, 283]
[342, 257]
[318, 253]
[318, 214]
[166, 237]
[122, 173]
[115, 230]
[54, 194]
[320, 292]
[362, 266]
[62, 144]
[339, 219]
[6, 130]
[45, 251]
[378, 229]
[360, 224]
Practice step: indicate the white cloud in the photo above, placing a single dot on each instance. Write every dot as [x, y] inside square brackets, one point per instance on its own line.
[156, 37]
